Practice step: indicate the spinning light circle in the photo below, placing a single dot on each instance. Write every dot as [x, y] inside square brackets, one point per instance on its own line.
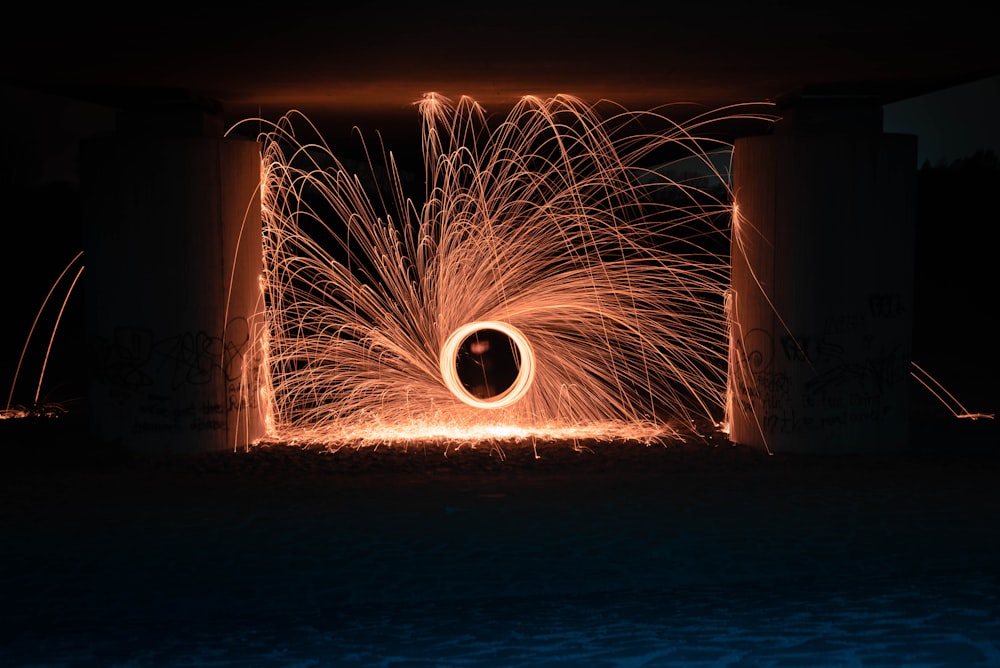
[475, 344]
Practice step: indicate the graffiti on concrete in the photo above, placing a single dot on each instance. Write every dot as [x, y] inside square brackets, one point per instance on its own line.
[846, 373]
[190, 381]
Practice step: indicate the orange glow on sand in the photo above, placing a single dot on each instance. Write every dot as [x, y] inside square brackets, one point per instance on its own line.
[559, 227]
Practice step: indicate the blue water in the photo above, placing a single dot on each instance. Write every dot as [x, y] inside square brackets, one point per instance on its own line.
[947, 619]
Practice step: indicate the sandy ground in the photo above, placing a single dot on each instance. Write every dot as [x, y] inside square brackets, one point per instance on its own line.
[114, 558]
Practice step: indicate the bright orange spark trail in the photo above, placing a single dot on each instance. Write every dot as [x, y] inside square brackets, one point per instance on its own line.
[605, 278]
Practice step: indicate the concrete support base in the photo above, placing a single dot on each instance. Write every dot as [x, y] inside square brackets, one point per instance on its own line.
[822, 291]
[174, 301]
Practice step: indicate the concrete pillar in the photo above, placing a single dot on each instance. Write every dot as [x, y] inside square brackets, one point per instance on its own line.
[822, 305]
[173, 292]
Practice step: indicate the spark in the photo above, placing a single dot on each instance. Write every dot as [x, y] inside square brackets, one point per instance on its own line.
[558, 227]
[39, 407]
[944, 396]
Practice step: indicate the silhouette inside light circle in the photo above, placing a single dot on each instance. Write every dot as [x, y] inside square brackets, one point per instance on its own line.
[487, 364]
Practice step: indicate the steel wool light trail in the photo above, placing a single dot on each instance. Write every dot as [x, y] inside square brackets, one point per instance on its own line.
[556, 281]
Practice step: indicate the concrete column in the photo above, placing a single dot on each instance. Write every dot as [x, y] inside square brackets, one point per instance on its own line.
[822, 281]
[173, 291]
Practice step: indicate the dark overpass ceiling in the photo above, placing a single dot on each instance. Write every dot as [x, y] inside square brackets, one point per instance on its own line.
[368, 63]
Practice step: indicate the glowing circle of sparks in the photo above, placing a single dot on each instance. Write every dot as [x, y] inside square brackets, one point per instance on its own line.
[509, 396]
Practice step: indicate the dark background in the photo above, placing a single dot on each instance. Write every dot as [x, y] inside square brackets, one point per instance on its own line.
[366, 62]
